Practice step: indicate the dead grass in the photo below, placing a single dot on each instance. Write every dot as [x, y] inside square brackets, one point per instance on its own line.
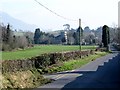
[23, 79]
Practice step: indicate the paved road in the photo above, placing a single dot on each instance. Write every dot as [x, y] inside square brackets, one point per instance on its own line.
[104, 72]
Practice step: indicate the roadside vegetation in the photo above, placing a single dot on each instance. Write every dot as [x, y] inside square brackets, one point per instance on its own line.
[23, 79]
[33, 78]
[71, 64]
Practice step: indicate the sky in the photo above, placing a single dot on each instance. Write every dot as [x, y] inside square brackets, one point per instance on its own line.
[93, 13]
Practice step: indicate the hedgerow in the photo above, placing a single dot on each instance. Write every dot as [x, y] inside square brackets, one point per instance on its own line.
[42, 61]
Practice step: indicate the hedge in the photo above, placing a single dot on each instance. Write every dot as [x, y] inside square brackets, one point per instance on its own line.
[42, 61]
[117, 47]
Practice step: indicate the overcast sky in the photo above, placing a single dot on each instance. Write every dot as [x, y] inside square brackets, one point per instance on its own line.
[93, 13]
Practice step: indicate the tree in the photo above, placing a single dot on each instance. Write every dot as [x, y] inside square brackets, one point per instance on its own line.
[67, 26]
[105, 36]
[90, 39]
[87, 29]
[29, 36]
[8, 34]
[63, 40]
[37, 36]
[76, 37]
[117, 36]
[11, 40]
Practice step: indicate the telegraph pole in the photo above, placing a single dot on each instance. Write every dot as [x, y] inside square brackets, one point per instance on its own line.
[80, 33]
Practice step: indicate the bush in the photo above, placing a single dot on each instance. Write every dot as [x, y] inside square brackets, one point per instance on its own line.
[42, 61]
[17, 65]
[117, 47]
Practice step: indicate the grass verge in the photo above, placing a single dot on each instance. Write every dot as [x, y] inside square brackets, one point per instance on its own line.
[73, 64]
[23, 79]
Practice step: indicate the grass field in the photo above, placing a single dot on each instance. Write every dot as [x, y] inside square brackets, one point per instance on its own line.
[37, 50]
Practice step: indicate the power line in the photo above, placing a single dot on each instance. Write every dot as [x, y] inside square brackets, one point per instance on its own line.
[54, 12]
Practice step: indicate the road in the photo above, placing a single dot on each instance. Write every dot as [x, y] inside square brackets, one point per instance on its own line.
[104, 72]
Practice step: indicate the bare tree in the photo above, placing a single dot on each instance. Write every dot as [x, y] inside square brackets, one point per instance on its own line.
[22, 42]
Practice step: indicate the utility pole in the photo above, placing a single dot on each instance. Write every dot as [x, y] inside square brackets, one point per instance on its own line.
[80, 33]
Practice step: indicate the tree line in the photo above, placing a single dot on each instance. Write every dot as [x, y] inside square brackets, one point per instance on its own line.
[47, 38]
[10, 41]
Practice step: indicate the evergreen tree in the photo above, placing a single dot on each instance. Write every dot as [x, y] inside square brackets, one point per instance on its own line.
[105, 36]
[8, 33]
[37, 36]
[77, 35]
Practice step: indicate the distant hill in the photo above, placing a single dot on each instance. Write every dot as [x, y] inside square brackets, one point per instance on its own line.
[15, 23]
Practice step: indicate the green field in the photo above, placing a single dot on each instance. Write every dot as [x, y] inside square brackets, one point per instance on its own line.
[37, 50]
